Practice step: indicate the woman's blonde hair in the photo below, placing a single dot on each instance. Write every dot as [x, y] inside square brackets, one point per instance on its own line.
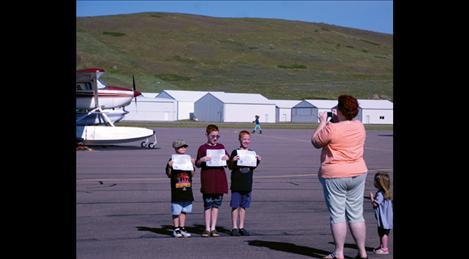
[383, 182]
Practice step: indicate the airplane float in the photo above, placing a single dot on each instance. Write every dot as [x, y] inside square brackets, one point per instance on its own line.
[96, 106]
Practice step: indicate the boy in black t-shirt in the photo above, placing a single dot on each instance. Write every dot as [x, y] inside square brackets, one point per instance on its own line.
[241, 185]
[181, 190]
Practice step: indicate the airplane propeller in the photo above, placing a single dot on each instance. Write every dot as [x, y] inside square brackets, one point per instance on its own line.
[135, 91]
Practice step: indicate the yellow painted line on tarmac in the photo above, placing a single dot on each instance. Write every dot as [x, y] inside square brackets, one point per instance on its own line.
[285, 176]
[315, 173]
[122, 180]
[284, 138]
[308, 141]
[378, 149]
[166, 179]
[312, 174]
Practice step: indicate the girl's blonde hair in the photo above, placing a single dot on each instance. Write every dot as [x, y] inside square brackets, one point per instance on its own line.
[383, 183]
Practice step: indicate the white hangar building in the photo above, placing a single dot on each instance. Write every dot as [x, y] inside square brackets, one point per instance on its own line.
[308, 110]
[234, 107]
[375, 111]
[151, 109]
[283, 109]
[150, 95]
[185, 101]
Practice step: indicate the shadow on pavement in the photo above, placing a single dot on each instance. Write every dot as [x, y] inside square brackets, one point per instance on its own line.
[117, 147]
[354, 246]
[164, 230]
[386, 135]
[290, 248]
[168, 229]
[199, 229]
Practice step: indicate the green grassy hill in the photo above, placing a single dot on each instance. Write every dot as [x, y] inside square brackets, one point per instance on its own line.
[280, 59]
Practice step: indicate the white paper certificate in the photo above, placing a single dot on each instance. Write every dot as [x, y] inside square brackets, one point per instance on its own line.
[182, 162]
[216, 155]
[247, 158]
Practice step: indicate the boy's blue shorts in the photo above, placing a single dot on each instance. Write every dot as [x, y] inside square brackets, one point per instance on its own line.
[181, 206]
[212, 200]
[240, 199]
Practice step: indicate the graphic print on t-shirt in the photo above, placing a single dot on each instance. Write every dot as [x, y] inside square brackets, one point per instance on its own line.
[182, 180]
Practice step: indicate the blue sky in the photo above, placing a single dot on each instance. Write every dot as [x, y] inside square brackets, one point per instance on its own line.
[374, 16]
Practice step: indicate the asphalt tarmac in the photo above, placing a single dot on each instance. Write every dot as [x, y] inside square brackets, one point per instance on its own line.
[123, 200]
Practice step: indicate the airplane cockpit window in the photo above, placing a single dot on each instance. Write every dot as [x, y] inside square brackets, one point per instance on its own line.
[86, 86]
[101, 84]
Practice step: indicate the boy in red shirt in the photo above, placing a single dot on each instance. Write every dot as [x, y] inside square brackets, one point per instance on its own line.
[212, 180]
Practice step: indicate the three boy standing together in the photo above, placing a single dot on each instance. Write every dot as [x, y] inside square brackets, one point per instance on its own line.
[213, 185]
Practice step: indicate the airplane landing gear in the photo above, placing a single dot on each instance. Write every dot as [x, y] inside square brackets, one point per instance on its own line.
[149, 145]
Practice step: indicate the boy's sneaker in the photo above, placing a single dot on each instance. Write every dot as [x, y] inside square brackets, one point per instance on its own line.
[243, 232]
[206, 233]
[235, 232]
[177, 233]
[185, 233]
[214, 233]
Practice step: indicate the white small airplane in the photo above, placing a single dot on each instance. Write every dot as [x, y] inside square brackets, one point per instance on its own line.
[110, 97]
[84, 119]
[96, 103]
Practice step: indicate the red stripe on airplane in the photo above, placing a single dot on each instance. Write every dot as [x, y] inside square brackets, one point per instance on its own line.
[90, 70]
[115, 88]
[113, 95]
[103, 95]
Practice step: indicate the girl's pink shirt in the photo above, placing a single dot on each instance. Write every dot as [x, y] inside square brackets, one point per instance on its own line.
[342, 149]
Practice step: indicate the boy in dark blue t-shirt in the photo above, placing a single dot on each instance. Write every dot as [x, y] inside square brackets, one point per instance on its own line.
[241, 185]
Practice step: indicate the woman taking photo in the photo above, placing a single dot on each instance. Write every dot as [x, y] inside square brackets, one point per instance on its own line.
[343, 173]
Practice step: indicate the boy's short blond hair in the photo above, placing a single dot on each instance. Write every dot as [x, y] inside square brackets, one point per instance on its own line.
[243, 132]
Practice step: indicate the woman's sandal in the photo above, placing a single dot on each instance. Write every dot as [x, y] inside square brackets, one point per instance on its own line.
[381, 251]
